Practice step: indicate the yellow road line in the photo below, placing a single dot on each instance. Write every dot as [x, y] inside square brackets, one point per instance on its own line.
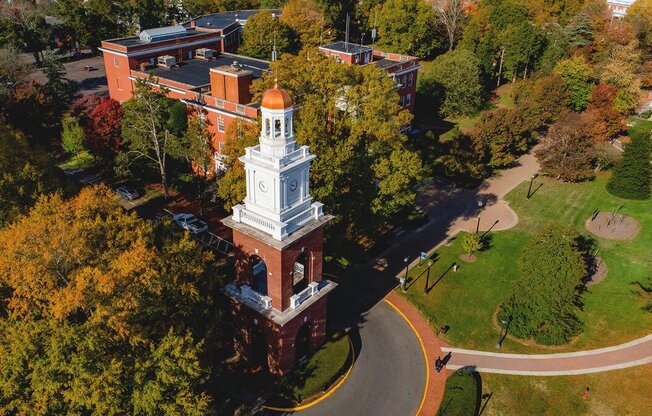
[326, 395]
[423, 348]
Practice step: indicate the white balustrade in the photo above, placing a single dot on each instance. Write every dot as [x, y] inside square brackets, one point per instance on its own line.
[305, 294]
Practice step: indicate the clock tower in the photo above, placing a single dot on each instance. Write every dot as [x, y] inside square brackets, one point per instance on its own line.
[278, 297]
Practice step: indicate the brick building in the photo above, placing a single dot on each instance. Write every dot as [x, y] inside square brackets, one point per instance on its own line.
[619, 7]
[279, 298]
[195, 63]
[402, 68]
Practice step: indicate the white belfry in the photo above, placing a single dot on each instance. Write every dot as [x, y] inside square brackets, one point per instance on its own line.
[278, 200]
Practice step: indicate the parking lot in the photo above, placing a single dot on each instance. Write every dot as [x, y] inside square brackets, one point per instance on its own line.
[89, 82]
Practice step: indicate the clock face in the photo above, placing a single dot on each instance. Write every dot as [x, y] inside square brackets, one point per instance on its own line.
[293, 185]
[262, 185]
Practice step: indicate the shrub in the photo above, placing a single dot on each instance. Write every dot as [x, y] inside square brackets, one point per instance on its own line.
[462, 394]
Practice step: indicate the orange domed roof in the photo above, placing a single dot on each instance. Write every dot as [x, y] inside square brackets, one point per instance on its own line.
[276, 99]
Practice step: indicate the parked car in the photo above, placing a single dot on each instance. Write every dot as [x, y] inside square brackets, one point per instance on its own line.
[127, 192]
[190, 223]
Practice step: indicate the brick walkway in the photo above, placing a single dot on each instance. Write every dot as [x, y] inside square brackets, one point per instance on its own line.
[433, 349]
[626, 355]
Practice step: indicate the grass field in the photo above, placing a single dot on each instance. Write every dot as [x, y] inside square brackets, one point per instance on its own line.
[84, 161]
[316, 373]
[614, 393]
[467, 299]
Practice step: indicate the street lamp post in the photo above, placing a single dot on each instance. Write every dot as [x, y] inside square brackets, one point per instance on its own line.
[503, 324]
[425, 289]
[407, 267]
[529, 189]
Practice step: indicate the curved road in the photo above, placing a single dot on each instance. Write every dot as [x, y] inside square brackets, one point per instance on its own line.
[389, 374]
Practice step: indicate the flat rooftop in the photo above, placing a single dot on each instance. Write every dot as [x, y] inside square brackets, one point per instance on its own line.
[136, 41]
[220, 21]
[347, 47]
[196, 72]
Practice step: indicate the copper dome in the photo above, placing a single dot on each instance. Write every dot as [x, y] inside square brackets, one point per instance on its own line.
[276, 99]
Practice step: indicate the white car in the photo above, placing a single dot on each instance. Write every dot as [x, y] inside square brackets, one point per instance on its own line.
[190, 223]
[127, 192]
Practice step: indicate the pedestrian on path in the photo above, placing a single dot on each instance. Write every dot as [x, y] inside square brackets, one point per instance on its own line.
[438, 364]
[586, 393]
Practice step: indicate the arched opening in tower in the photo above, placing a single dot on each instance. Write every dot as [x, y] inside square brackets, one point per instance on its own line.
[259, 275]
[300, 273]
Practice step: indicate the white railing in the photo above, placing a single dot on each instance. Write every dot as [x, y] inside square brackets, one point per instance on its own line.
[305, 294]
[250, 218]
[246, 294]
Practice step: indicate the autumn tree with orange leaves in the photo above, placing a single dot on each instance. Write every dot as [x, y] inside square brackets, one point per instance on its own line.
[101, 305]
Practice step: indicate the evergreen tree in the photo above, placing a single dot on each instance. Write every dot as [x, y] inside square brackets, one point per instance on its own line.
[544, 302]
[633, 174]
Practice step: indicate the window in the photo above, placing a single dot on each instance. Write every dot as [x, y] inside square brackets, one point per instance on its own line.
[408, 100]
[287, 126]
[220, 124]
[402, 101]
[117, 84]
[116, 63]
[220, 148]
[189, 54]
[410, 78]
[219, 103]
[267, 127]
[240, 109]
[152, 61]
[277, 127]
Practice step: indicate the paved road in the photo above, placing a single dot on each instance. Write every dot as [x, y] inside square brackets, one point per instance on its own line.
[389, 375]
[626, 355]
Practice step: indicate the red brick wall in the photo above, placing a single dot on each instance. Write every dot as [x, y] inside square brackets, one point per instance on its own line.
[279, 263]
[281, 340]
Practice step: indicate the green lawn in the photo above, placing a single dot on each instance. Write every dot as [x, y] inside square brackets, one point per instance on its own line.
[467, 299]
[323, 368]
[84, 161]
[621, 392]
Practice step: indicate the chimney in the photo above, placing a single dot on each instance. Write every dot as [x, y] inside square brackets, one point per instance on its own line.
[231, 83]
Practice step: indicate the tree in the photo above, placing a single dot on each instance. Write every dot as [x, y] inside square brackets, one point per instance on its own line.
[25, 173]
[263, 33]
[566, 152]
[13, 74]
[640, 15]
[59, 89]
[451, 17]
[72, 136]
[544, 302]
[350, 116]
[632, 175]
[472, 243]
[102, 128]
[504, 133]
[621, 72]
[465, 160]
[456, 76]
[407, 27]
[578, 76]
[542, 101]
[104, 313]
[232, 188]
[25, 26]
[601, 121]
[149, 129]
[307, 20]
[196, 147]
